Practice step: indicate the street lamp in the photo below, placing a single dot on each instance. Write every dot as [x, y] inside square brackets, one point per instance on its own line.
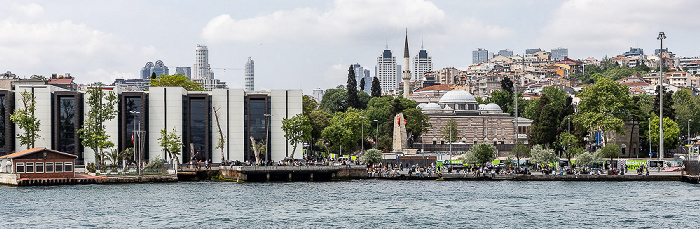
[376, 138]
[661, 38]
[649, 137]
[688, 138]
[267, 136]
[568, 131]
[362, 141]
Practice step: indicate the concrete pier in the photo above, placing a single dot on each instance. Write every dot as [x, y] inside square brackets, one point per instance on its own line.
[293, 173]
[87, 179]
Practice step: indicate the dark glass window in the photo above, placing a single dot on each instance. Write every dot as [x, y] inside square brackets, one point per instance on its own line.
[133, 116]
[19, 167]
[2, 125]
[198, 127]
[49, 167]
[39, 167]
[66, 124]
[59, 167]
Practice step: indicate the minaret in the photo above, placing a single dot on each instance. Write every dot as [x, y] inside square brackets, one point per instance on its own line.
[406, 75]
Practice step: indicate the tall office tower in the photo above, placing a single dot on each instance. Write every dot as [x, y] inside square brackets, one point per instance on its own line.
[480, 56]
[422, 63]
[559, 54]
[532, 51]
[158, 68]
[505, 52]
[202, 70]
[146, 70]
[359, 73]
[406, 75]
[185, 71]
[386, 70]
[250, 75]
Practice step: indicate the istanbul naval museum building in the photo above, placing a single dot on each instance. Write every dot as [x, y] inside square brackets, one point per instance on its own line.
[191, 114]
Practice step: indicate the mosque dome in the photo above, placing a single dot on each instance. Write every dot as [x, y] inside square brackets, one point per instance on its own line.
[431, 107]
[490, 107]
[457, 96]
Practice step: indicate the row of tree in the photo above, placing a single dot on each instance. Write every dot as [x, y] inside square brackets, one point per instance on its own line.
[348, 120]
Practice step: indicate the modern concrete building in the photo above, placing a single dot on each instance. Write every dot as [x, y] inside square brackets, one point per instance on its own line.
[505, 52]
[422, 63]
[480, 56]
[158, 68]
[250, 75]
[386, 71]
[559, 54]
[202, 70]
[191, 114]
[185, 71]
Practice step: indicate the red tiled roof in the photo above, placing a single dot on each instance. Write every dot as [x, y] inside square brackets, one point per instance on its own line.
[60, 81]
[441, 87]
[34, 150]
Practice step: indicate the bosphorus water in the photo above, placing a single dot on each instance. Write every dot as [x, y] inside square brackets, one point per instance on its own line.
[355, 204]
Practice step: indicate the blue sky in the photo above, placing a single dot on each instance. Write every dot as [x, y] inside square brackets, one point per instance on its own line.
[310, 44]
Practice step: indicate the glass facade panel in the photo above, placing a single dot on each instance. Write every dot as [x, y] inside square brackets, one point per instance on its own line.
[133, 116]
[257, 125]
[66, 124]
[2, 125]
[198, 128]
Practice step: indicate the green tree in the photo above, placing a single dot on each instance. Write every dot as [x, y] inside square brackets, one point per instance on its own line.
[585, 158]
[604, 105]
[540, 155]
[351, 88]
[372, 156]
[362, 84]
[450, 131]
[570, 143]
[26, 120]
[686, 109]
[669, 110]
[671, 133]
[610, 150]
[171, 143]
[297, 130]
[177, 80]
[416, 123]
[318, 120]
[376, 88]
[520, 150]
[544, 128]
[337, 136]
[335, 100]
[102, 108]
[507, 85]
[308, 104]
[482, 153]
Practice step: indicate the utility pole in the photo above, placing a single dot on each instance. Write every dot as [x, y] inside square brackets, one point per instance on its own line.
[661, 38]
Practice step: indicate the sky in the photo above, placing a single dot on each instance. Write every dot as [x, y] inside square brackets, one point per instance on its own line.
[310, 44]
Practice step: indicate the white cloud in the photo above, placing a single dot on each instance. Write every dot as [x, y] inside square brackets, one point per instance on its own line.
[593, 27]
[28, 10]
[346, 20]
[41, 44]
[334, 74]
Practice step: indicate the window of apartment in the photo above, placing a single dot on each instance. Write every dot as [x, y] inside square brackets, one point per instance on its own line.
[68, 167]
[30, 167]
[19, 167]
[49, 167]
[39, 167]
[59, 167]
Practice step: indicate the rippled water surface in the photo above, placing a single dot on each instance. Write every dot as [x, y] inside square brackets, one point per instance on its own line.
[356, 204]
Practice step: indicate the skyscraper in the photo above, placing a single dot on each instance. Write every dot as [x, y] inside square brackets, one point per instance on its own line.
[505, 52]
[250, 75]
[386, 70]
[185, 71]
[406, 74]
[202, 70]
[158, 68]
[559, 54]
[480, 56]
[532, 51]
[422, 63]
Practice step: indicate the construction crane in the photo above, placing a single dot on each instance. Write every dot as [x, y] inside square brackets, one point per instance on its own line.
[236, 69]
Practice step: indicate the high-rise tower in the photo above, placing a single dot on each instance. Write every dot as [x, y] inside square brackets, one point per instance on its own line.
[202, 70]
[406, 74]
[422, 63]
[250, 75]
[386, 70]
